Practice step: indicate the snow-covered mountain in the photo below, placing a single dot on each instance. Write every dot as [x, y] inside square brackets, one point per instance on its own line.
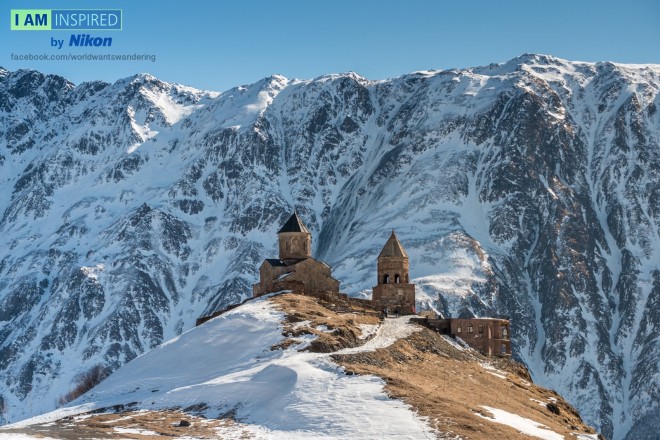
[529, 188]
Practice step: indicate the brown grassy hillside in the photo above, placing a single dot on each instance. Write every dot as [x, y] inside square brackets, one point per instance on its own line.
[441, 381]
[436, 376]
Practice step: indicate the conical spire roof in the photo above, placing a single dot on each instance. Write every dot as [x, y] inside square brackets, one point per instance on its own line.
[294, 224]
[393, 248]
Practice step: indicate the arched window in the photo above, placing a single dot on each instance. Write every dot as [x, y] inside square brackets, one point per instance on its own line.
[505, 333]
[459, 329]
[470, 329]
[407, 278]
[503, 349]
[386, 279]
[294, 244]
[397, 279]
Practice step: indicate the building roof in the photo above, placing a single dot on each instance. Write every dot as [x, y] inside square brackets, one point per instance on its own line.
[284, 275]
[286, 263]
[393, 248]
[294, 224]
[275, 262]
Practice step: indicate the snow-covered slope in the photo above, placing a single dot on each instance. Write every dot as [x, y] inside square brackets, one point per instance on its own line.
[529, 188]
[312, 367]
[226, 366]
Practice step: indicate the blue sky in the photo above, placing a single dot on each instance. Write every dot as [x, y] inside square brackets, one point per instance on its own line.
[219, 44]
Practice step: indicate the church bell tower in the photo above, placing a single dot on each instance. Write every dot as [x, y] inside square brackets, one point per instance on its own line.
[393, 289]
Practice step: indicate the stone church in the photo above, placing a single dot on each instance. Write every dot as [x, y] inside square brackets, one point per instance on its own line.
[295, 269]
[394, 289]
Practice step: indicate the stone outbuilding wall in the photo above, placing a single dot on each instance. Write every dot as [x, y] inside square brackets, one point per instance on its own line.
[489, 336]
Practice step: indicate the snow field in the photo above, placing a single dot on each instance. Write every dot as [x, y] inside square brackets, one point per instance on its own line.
[22, 437]
[521, 424]
[227, 364]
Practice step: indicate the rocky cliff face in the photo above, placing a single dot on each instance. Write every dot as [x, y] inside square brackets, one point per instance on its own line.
[529, 188]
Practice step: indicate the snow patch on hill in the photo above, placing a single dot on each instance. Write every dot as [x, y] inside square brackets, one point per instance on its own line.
[522, 424]
[227, 364]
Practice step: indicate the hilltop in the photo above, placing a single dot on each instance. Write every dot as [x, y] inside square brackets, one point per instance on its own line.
[294, 366]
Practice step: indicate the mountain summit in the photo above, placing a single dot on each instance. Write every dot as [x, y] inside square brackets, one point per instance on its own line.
[528, 189]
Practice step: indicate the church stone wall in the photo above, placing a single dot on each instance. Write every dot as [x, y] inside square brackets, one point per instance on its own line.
[295, 245]
[313, 275]
[396, 297]
[391, 268]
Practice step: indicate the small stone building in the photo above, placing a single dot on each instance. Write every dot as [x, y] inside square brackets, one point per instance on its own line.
[394, 289]
[295, 270]
[489, 336]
